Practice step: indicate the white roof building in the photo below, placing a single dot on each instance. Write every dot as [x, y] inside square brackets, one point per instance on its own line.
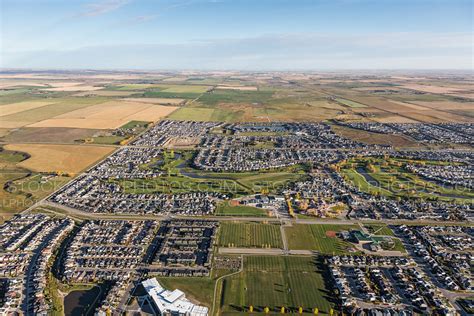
[171, 302]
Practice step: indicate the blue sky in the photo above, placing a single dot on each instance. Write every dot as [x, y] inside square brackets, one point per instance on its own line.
[237, 34]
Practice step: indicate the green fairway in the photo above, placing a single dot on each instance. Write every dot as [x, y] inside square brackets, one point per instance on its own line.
[249, 234]
[318, 237]
[227, 209]
[389, 177]
[273, 282]
[181, 177]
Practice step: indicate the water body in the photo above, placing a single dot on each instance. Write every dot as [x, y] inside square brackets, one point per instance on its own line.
[83, 302]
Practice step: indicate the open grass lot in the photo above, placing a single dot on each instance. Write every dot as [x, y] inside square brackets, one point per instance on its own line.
[196, 288]
[227, 209]
[374, 138]
[63, 158]
[275, 282]
[379, 229]
[314, 237]
[390, 178]
[191, 113]
[22, 187]
[250, 234]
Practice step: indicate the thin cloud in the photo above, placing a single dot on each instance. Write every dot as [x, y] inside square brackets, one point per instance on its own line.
[136, 20]
[103, 7]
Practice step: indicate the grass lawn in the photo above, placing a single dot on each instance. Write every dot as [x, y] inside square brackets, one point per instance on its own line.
[313, 237]
[226, 209]
[252, 235]
[379, 229]
[275, 282]
[200, 289]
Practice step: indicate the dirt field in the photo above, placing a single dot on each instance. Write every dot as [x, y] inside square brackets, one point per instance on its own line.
[446, 105]
[12, 108]
[241, 88]
[373, 138]
[48, 135]
[432, 88]
[162, 101]
[66, 158]
[108, 115]
[105, 93]
[74, 88]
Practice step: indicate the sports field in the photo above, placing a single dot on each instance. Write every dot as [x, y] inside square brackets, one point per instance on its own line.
[318, 237]
[249, 234]
[276, 282]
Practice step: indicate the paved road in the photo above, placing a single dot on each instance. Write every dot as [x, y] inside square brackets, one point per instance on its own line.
[81, 214]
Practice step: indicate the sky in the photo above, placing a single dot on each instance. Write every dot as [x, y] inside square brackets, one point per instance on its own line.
[237, 34]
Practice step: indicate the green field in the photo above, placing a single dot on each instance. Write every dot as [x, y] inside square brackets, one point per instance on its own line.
[249, 234]
[350, 103]
[226, 209]
[313, 237]
[191, 113]
[388, 177]
[200, 289]
[215, 97]
[274, 282]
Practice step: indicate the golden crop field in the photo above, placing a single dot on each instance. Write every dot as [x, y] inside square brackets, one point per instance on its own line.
[64, 158]
[108, 115]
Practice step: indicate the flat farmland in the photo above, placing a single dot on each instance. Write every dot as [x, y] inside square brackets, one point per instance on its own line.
[318, 237]
[249, 234]
[191, 113]
[48, 135]
[108, 115]
[161, 101]
[64, 158]
[59, 107]
[273, 282]
[105, 93]
[13, 108]
[20, 188]
[241, 88]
